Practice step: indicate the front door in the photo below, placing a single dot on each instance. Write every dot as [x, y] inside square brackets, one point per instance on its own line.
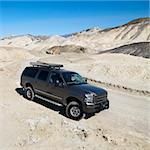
[55, 87]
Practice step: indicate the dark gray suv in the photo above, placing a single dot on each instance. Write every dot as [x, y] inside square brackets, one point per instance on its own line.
[53, 84]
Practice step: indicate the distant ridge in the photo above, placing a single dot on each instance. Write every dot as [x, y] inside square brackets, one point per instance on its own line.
[139, 20]
[133, 22]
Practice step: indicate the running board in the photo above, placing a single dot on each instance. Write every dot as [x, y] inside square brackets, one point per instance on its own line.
[47, 100]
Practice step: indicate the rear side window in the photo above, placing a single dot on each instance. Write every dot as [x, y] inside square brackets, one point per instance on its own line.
[30, 72]
[43, 75]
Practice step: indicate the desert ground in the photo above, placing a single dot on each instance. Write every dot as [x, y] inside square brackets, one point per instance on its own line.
[125, 74]
[39, 125]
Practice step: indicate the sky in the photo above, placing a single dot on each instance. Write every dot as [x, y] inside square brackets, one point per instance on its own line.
[64, 17]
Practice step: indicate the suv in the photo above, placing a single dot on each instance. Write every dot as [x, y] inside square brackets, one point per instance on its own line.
[64, 88]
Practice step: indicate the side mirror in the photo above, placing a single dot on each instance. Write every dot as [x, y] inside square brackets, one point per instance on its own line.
[85, 79]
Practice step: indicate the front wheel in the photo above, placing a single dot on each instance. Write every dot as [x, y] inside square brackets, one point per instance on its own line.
[74, 110]
[29, 94]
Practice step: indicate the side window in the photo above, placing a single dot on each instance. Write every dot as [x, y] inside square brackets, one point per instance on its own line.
[55, 76]
[30, 72]
[43, 75]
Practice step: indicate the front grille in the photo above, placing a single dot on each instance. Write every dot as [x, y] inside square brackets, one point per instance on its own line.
[99, 98]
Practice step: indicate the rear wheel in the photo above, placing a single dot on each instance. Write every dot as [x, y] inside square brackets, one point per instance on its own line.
[74, 110]
[29, 94]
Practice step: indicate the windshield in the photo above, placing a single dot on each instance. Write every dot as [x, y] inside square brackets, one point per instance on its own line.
[73, 78]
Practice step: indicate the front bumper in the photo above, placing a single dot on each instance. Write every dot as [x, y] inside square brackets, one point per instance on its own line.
[96, 107]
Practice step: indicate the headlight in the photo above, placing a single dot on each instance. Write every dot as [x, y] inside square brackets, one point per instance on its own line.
[89, 98]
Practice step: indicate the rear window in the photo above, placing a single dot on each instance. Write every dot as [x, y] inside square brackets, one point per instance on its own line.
[30, 72]
[43, 75]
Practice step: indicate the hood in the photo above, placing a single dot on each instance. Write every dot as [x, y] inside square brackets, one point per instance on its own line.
[87, 88]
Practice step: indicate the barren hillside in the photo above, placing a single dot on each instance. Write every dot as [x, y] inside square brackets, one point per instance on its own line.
[66, 48]
[141, 49]
[134, 31]
[93, 40]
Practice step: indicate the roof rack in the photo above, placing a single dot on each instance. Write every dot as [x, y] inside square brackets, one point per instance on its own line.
[47, 65]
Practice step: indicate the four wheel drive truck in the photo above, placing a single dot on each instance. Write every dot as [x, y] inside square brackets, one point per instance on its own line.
[52, 83]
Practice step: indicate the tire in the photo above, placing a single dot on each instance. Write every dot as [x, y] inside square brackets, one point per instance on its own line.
[74, 110]
[29, 93]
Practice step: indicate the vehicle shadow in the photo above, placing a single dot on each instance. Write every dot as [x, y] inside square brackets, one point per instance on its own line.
[59, 109]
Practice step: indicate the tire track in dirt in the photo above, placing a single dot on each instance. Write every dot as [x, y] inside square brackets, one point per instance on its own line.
[119, 87]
